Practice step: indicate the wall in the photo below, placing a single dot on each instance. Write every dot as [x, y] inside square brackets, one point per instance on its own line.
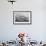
[9, 31]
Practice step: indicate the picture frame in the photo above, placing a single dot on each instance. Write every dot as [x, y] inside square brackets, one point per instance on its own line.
[22, 17]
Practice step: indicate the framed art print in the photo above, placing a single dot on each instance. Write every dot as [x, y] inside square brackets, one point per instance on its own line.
[22, 17]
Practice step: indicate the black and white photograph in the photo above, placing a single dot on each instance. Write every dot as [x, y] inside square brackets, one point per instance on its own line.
[22, 17]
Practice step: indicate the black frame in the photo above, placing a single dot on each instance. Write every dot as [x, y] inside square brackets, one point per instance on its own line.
[23, 23]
